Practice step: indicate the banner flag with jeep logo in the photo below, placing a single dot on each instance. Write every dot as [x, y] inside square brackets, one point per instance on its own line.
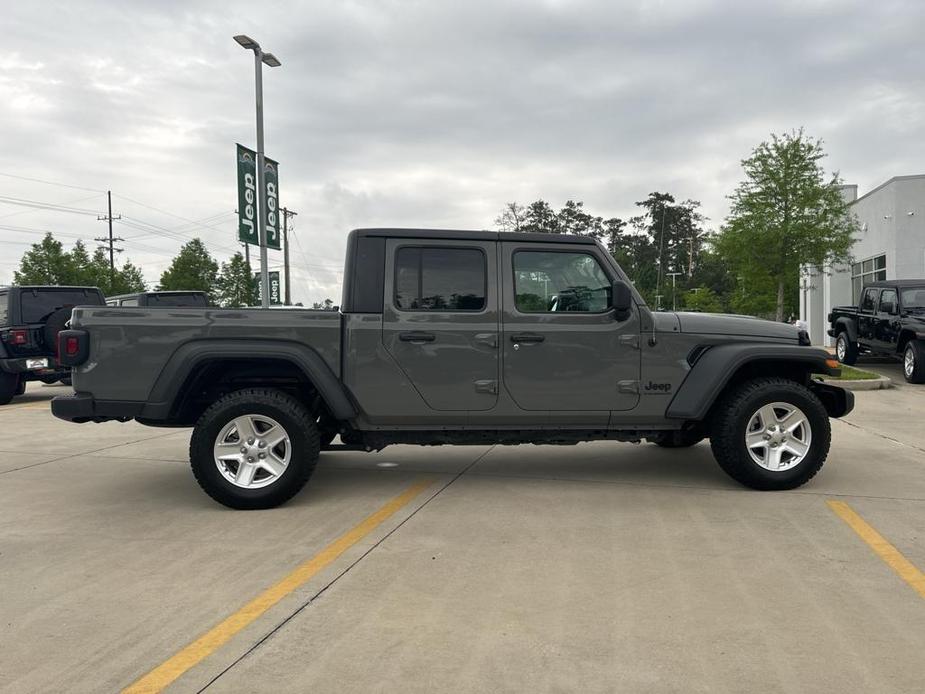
[270, 202]
[247, 196]
[276, 295]
[248, 231]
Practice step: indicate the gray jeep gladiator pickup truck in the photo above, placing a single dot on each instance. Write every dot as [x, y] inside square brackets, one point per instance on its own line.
[455, 337]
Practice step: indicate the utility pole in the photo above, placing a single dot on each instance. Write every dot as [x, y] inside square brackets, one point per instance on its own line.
[674, 293]
[661, 252]
[110, 242]
[286, 215]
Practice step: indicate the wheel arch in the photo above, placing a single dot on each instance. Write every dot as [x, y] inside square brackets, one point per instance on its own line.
[724, 366]
[846, 325]
[202, 369]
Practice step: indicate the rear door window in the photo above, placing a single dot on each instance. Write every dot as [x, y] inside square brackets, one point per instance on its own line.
[38, 305]
[4, 311]
[869, 302]
[440, 279]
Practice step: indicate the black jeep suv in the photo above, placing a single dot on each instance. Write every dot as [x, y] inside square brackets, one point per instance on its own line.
[30, 320]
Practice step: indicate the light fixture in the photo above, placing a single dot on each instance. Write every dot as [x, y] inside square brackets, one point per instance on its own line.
[247, 42]
[270, 60]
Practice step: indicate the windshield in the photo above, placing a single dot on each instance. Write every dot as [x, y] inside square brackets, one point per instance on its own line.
[38, 304]
[913, 298]
[176, 300]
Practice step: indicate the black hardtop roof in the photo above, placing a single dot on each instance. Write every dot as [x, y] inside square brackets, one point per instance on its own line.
[472, 235]
[896, 283]
[156, 293]
[51, 287]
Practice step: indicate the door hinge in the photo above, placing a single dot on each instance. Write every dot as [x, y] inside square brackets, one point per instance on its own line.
[628, 387]
[487, 386]
[630, 341]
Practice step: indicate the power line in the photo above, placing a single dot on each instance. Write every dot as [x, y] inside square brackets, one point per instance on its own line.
[8, 200]
[52, 183]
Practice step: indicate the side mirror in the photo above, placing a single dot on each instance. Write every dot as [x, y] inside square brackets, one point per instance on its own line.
[621, 299]
[888, 307]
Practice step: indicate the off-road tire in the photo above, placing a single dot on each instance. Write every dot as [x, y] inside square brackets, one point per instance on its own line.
[846, 349]
[679, 439]
[915, 349]
[730, 420]
[9, 385]
[294, 418]
[21, 388]
[54, 325]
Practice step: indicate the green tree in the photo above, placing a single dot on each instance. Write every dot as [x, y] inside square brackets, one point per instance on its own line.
[785, 213]
[192, 269]
[236, 284]
[703, 299]
[540, 218]
[512, 217]
[45, 263]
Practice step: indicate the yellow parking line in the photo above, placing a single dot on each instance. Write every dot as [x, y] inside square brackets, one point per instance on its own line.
[165, 673]
[893, 558]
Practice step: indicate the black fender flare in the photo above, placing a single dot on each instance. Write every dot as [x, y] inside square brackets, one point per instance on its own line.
[192, 355]
[849, 326]
[716, 367]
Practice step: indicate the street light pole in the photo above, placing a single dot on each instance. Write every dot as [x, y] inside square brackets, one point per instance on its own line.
[674, 293]
[259, 59]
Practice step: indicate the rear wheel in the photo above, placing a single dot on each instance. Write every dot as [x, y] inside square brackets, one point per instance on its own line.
[21, 388]
[771, 433]
[846, 349]
[914, 362]
[9, 386]
[254, 448]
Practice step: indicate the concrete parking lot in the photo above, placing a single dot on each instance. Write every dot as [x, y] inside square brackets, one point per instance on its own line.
[598, 567]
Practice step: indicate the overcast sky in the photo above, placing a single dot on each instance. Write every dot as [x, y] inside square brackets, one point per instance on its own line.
[431, 113]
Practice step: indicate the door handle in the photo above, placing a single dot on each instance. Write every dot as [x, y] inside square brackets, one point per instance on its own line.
[416, 337]
[529, 337]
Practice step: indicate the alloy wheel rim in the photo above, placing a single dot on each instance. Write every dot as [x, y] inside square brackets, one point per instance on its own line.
[841, 349]
[252, 451]
[778, 436]
[909, 361]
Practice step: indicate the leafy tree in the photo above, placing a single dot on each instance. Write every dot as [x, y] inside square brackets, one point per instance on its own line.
[540, 218]
[45, 263]
[192, 269]
[48, 263]
[237, 286]
[703, 299]
[785, 213]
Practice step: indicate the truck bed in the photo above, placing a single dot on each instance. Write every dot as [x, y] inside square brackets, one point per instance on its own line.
[130, 347]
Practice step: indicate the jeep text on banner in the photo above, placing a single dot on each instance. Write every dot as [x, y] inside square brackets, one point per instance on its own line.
[270, 201]
[276, 297]
[247, 196]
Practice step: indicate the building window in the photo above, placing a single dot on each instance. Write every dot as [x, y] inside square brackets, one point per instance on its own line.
[865, 272]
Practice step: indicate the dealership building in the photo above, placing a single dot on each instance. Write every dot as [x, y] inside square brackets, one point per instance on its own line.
[891, 246]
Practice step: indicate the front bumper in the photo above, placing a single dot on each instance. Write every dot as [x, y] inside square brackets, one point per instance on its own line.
[83, 407]
[837, 401]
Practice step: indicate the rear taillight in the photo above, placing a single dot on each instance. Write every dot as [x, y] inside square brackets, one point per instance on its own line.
[19, 337]
[73, 347]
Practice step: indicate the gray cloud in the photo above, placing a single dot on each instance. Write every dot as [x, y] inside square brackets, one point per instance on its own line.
[435, 114]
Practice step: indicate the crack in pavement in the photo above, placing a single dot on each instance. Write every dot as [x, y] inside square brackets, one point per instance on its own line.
[343, 573]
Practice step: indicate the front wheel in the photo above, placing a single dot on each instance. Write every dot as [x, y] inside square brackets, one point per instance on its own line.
[914, 362]
[771, 433]
[254, 448]
[846, 350]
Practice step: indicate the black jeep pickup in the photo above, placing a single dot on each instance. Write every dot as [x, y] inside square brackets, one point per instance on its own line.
[889, 320]
[455, 337]
[30, 320]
